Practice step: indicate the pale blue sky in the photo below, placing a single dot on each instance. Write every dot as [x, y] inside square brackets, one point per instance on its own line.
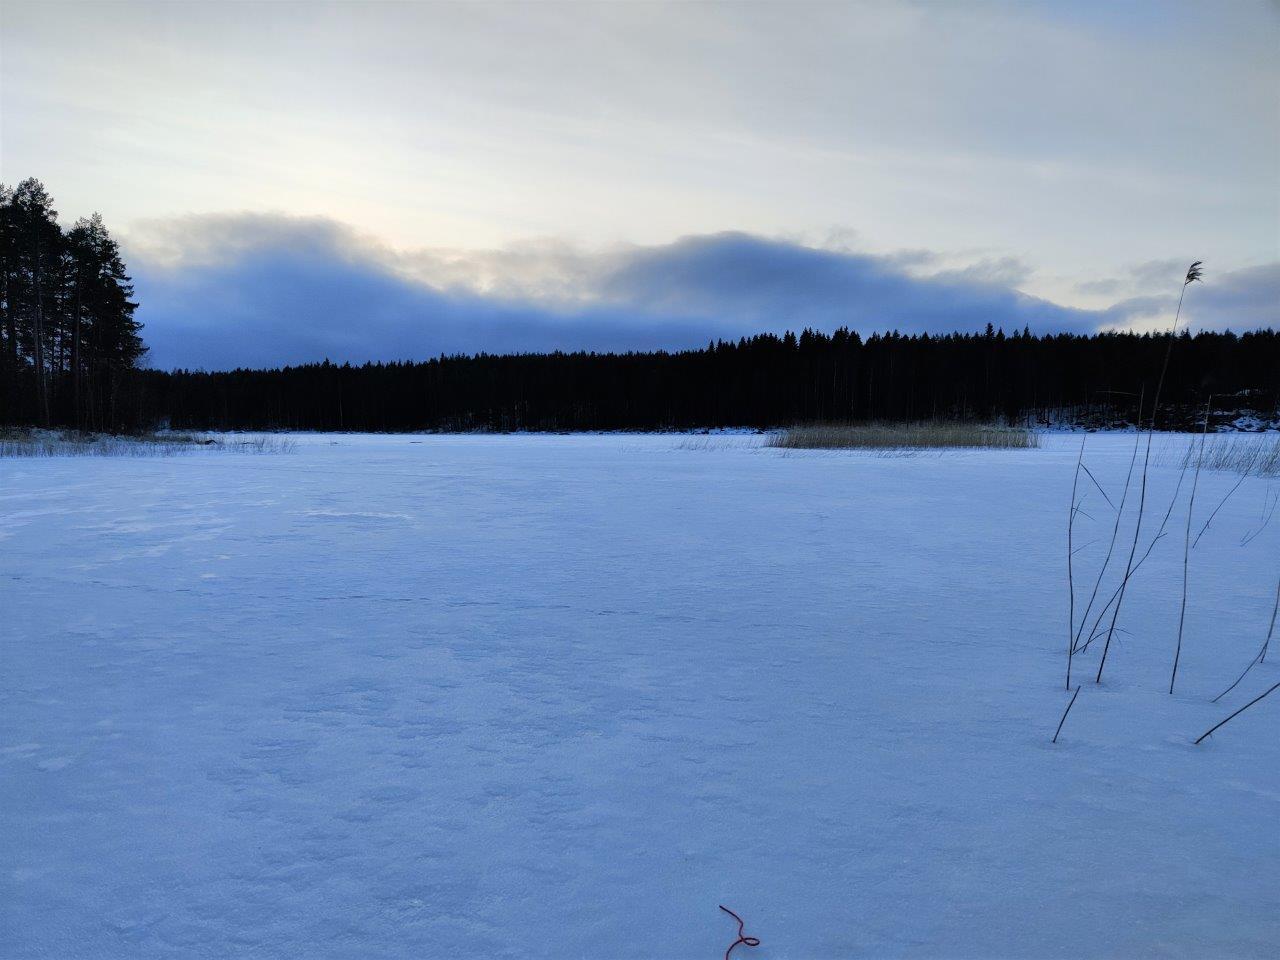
[526, 155]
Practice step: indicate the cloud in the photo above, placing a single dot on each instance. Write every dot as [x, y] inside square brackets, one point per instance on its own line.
[1007, 271]
[1150, 276]
[268, 290]
[267, 305]
[1243, 299]
[1247, 299]
[1075, 134]
[767, 283]
[1105, 286]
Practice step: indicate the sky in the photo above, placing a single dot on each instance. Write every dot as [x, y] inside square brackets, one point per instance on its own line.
[367, 181]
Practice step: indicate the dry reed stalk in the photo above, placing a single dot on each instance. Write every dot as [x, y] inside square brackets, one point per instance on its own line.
[1193, 275]
[1071, 580]
[1261, 655]
[1064, 714]
[1115, 531]
[1260, 696]
[1186, 547]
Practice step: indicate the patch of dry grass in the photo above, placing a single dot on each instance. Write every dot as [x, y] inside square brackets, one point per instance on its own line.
[923, 435]
[257, 443]
[53, 443]
[725, 441]
[1248, 454]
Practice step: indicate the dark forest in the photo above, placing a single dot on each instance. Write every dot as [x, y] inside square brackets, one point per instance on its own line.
[763, 381]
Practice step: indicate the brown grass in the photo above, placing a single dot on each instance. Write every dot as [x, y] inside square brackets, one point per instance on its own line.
[924, 435]
[53, 443]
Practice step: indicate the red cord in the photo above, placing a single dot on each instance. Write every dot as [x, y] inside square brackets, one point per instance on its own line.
[749, 941]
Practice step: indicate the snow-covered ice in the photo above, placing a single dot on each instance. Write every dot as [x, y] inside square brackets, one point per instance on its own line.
[538, 696]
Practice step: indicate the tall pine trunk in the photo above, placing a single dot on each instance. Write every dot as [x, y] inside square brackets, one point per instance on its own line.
[42, 394]
[75, 360]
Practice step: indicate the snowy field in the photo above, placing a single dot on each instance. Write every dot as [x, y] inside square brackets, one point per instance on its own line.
[536, 696]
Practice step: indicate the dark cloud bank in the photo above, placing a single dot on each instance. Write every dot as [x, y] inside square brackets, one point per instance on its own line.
[259, 291]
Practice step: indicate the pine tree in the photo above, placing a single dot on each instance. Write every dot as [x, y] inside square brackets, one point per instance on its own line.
[68, 337]
[35, 250]
[105, 339]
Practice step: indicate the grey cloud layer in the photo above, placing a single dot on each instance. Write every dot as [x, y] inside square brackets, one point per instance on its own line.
[1247, 299]
[1080, 135]
[263, 290]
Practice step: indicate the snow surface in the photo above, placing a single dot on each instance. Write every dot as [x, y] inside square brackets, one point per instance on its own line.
[538, 696]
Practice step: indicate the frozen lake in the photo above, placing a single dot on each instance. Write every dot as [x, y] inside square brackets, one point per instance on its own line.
[542, 696]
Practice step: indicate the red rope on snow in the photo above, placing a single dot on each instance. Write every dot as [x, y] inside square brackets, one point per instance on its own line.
[748, 941]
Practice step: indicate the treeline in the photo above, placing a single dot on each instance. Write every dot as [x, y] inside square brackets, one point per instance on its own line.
[70, 351]
[69, 345]
[762, 381]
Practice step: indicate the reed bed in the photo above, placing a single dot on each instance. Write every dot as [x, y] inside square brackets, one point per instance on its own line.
[1247, 454]
[922, 435]
[51, 443]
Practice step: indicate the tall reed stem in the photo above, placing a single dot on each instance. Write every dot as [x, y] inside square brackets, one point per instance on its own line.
[1186, 545]
[1261, 655]
[1115, 532]
[1064, 714]
[1267, 693]
[1193, 274]
[1071, 580]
